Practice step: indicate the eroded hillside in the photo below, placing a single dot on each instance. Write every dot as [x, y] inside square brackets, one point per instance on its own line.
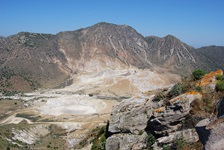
[47, 61]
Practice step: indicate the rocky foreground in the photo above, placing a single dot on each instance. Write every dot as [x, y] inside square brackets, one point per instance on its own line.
[163, 119]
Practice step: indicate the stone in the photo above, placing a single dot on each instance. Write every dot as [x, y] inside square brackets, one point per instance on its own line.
[126, 142]
[169, 118]
[130, 116]
[189, 135]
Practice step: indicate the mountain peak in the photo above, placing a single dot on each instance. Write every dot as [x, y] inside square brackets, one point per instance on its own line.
[111, 25]
[171, 52]
[171, 37]
[104, 24]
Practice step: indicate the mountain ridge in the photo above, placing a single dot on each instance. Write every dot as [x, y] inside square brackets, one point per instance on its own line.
[50, 59]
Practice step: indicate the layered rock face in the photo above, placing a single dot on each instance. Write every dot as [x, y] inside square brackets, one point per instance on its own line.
[169, 118]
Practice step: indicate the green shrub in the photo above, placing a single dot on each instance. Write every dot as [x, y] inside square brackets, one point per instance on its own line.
[158, 97]
[220, 77]
[198, 74]
[9, 93]
[99, 144]
[179, 143]
[206, 100]
[150, 140]
[95, 145]
[102, 143]
[100, 139]
[198, 88]
[166, 147]
[101, 131]
[176, 90]
[220, 86]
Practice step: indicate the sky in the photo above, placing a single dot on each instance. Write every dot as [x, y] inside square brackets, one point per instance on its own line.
[195, 22]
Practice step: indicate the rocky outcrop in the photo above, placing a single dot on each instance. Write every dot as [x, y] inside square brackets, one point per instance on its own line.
[211, 130]
[169, 118]
[137, 116]
[131, 116]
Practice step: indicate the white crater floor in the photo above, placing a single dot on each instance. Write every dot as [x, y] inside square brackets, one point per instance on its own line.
[71, 104]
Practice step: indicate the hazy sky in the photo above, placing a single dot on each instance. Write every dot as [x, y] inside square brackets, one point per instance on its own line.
[195, 22]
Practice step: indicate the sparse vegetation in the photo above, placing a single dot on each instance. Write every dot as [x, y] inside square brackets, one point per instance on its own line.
[220, 77]
[28, 116]
[176, 90]
[100, 140]
[150, 140]
[9, 93]
[179, 143]
[167, 147]
[220, 86]
[199, 89]
[198, 74]
[12, 77]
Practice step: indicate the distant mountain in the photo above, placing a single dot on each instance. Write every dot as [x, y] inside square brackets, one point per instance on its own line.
[215, 54]
[1, 37]
[106, 42]
[46, 60]
[169, 52]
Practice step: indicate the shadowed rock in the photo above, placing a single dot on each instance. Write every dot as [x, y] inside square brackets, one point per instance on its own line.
[211, 131]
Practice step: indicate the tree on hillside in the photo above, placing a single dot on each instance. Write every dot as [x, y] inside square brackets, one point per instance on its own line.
[198, 74]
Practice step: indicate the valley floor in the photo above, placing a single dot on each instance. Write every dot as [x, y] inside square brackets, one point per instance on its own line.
[62, 118]
[74, 114]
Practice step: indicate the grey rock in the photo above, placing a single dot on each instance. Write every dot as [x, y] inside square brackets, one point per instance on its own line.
[126, 142]
[211, 131]
[190, 135]
[136, 115]
[212, 139]
[130, 116]
[220, 108]
[113, 143]
[169, 119]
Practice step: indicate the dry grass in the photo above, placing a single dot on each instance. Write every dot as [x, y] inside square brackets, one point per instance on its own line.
[8, 107]
[193, 146]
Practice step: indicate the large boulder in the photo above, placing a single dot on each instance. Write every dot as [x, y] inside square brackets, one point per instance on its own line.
[132, 115]
[169, 118]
